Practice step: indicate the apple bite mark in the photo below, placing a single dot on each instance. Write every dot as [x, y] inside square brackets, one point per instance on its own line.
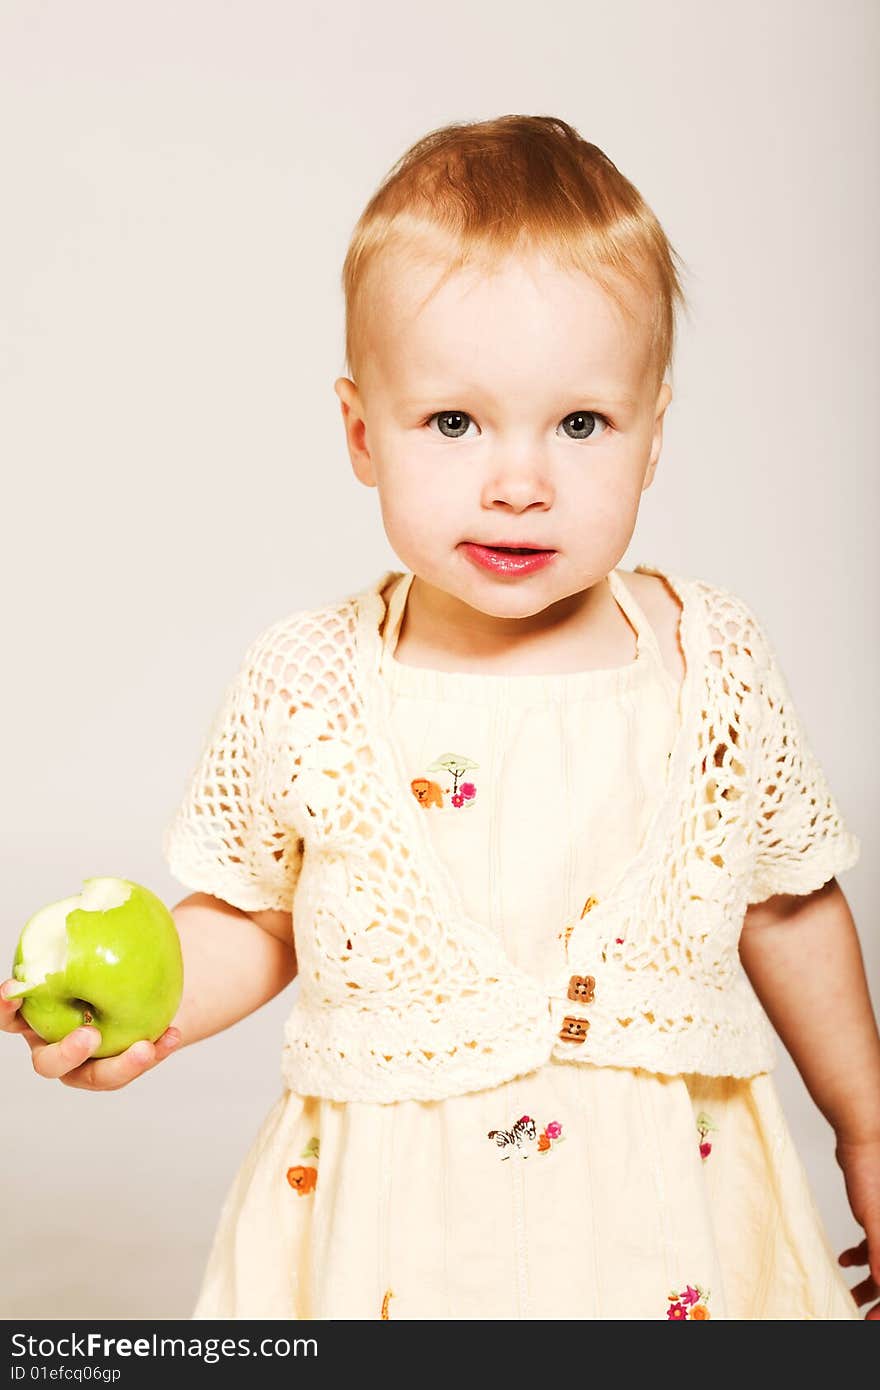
[43, 946]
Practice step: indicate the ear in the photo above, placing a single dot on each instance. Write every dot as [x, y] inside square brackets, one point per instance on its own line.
[664, 396]
[354, 420]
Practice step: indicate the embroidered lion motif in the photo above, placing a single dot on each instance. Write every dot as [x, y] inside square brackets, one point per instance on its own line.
[426, 793]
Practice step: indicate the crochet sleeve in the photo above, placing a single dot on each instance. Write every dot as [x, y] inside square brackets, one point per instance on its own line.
[224, 838]
[802, 839]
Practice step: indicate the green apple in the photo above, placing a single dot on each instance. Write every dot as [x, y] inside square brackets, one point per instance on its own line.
[109, 956]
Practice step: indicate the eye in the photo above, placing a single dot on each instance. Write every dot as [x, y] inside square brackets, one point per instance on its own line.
[582, 423]
[452, 424]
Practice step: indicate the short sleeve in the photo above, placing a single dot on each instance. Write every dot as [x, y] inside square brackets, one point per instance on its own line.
[802, 839]
[224, 838]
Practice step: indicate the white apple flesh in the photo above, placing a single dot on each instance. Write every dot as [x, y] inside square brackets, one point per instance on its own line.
[110, 956]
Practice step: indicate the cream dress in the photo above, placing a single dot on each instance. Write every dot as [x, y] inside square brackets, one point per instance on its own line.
[576, 1191]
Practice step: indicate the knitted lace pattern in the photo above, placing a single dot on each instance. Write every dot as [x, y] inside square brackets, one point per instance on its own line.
[299, 801]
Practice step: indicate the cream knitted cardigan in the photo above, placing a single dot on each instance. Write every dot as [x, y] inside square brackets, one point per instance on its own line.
[299, 801]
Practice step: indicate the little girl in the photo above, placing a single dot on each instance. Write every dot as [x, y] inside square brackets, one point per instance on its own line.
[542, 832]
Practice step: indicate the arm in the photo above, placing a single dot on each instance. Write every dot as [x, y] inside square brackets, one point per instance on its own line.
[803, 958]
[234, 962]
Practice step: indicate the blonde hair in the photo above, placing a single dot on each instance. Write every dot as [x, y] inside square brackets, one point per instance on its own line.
[475, 191]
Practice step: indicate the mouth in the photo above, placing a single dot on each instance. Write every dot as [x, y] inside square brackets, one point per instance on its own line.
[507, 560]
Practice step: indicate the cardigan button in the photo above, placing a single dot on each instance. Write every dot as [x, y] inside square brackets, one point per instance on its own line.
[574, 1029]
[582, 988]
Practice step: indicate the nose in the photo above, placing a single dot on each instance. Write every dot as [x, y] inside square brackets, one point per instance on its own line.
[518, 480]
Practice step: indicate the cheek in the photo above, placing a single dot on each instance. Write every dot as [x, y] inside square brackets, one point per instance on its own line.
[616, 490]
[416, 509]
[416, 513]
[605, 501]
[416, 489]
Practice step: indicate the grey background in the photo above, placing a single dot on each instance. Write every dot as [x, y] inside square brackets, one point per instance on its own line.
[179, 185]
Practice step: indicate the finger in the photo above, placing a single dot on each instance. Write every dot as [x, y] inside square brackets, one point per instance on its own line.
[8, 1007]
[855, 1255]
[56, 1059]
[169, 1040]
[865, 1291]
[112, 1073]
[17, 1024]
[28, 1035]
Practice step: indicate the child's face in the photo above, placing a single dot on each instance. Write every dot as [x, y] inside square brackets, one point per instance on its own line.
[549, 427]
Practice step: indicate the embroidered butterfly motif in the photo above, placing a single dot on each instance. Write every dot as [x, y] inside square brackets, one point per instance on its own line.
[430, 792]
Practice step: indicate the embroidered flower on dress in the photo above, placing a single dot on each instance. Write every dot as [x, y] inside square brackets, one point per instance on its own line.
[551, 1136]
[705, 1123]
[690, 1302]
[466, 793]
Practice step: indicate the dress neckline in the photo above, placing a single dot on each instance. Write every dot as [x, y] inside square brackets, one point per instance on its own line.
[427, 682]
[370, 608]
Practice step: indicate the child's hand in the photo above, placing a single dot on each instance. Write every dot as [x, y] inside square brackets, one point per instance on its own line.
[67, 1060]
[861, 1170]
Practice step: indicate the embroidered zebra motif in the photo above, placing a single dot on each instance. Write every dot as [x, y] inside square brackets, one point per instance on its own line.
[513, 1139]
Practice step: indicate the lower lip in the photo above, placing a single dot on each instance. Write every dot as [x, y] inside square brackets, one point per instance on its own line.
[505, 562]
